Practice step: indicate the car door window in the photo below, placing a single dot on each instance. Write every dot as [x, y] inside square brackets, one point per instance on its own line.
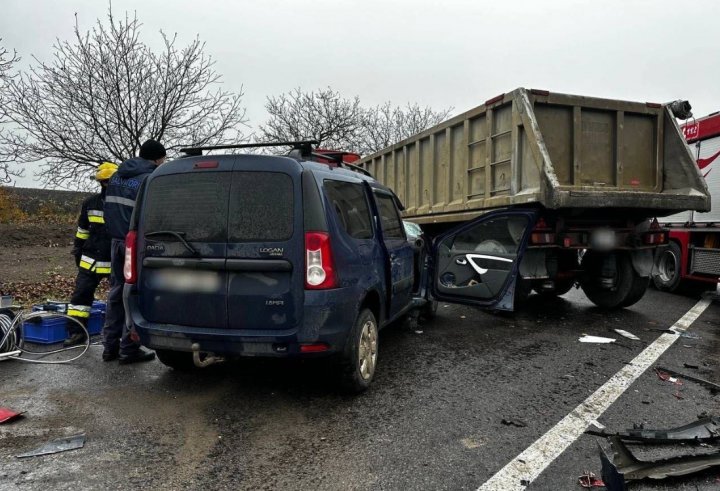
[350, 205]
[392, 226]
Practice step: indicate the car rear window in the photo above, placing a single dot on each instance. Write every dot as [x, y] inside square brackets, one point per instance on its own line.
[261, 207]
[190, 204]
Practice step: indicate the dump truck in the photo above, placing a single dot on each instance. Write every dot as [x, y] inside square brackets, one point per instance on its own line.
[595, 171]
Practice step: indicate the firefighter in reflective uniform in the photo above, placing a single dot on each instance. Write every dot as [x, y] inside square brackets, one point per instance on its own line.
[92, 256]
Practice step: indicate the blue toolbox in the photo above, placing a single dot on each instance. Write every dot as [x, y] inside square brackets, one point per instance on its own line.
[52, 329]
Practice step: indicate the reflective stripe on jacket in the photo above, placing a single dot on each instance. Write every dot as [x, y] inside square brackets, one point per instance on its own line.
[92, 242]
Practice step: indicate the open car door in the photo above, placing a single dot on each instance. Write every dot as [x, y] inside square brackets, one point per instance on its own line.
[477, 263]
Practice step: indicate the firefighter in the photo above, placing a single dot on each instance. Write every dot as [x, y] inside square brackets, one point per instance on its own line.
[92, 255]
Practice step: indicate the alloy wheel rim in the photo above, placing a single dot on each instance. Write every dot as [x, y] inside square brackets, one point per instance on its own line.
[367, 350]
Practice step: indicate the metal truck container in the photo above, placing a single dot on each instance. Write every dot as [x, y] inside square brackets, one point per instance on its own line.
[595, 171]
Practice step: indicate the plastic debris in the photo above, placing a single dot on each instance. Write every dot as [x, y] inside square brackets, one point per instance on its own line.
[666, 377]
[703, 430]
[56, 446]
[595, 339]
[597, 424]
[627, 467]
[7, 415]
[590, 480]
[626, 334]
[711, 386]
[514, 422]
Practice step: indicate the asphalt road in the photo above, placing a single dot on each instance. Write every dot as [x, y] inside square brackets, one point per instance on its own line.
[433, 418]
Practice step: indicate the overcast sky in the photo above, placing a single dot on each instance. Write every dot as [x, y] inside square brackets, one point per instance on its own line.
[452, 53]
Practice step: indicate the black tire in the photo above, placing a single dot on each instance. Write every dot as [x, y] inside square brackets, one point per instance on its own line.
[666, 276]
[359, 359]
[628, 288]
[181, 361]
[561, 288]
[429, 310]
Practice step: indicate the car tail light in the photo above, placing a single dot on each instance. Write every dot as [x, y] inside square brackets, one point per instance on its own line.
[319, 264]
[130, 266]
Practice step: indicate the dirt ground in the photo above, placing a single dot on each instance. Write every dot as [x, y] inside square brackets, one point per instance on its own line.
[36, 264]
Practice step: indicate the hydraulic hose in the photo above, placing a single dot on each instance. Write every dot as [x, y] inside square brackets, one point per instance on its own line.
[12, 345]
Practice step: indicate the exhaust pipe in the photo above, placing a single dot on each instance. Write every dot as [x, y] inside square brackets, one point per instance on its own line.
[203, 359]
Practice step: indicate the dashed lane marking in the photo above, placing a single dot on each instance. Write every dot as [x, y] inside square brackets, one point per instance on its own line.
[526, 467]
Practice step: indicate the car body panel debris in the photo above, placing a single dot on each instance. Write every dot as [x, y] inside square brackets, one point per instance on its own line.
[626, 334]
[589, 480]
[613, 480]
[702, 430]
[58, 445]
[7, 415]
[713, 387]
[631, 468]
[595, 339]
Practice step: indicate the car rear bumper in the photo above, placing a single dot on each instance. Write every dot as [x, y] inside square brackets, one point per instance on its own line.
[328, 317]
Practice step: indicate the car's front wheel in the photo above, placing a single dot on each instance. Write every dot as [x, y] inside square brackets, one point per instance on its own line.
[361, 351]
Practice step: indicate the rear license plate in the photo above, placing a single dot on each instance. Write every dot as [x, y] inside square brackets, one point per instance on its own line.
[180, 280]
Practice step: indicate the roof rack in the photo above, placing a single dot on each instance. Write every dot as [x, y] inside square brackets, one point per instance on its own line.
[303, 145]
[301, 148]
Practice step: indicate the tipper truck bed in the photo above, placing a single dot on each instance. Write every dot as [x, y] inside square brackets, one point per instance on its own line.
[597, 170]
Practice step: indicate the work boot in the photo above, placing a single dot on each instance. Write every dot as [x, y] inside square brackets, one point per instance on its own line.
[75, 339]
[137, 357]
[110, 355]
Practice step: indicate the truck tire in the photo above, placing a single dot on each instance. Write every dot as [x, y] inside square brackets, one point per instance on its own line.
[181, 361]
[359, 359]
[666, 276]
[628, 288]
[561, 288]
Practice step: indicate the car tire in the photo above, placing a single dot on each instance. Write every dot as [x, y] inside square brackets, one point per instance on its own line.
[359, 359]
[666, 276]
[629, 286]
[181, 361]
[429, 310]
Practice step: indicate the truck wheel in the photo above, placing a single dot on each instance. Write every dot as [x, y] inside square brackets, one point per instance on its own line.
[561, 288]
[360, 356]
[627, 286]
[181, 361]
[667, 274]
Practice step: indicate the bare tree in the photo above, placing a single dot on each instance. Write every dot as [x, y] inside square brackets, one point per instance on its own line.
[341, 123]
[7, 61]
[106, 92]
[385, 125]
[322, 115]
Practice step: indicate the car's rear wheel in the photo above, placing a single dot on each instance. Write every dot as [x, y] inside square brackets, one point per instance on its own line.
[624, 288]
[177, 360]
[360, 356]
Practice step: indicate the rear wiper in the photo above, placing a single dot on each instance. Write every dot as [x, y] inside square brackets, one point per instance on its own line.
[180, 236]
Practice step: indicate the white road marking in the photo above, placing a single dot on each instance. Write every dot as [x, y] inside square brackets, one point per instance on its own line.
[527, 466]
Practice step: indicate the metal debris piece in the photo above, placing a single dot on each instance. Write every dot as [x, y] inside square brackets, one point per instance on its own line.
[626, 334]
[690, 365]
[632, 469]
[7, 415]
[590, 480]
[702, 430]
[713, 387]
[595, 339]
[612, 478]
[57, 445]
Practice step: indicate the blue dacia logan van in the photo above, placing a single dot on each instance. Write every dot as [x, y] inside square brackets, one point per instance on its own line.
[277, 256]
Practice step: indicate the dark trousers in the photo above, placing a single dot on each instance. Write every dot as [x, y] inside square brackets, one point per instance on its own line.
[116, 336]
[82, 298]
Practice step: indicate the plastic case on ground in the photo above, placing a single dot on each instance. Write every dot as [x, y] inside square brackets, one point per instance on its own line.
[52, 329]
